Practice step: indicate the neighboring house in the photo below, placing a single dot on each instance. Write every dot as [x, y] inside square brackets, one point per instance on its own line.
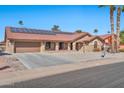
[107, 38]
[89, 43]
[19, 40]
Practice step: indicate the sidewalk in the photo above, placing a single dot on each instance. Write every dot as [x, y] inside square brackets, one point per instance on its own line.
[10, 78]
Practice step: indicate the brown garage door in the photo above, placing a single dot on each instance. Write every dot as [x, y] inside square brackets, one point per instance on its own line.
[21, 47]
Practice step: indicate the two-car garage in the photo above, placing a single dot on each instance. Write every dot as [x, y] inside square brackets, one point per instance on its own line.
[21, 47]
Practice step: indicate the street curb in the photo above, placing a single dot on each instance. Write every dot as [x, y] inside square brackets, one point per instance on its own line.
[19, 76]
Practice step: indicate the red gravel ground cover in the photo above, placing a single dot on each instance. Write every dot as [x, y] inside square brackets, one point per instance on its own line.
[3, 64]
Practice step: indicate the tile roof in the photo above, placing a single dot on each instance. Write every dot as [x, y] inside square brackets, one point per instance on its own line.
[40, 35]
[88, 39]
[105, 36]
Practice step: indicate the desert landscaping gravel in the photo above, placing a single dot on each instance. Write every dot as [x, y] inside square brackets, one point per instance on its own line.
[8, 63]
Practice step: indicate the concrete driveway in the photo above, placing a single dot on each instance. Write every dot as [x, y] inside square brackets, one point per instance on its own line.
[35, 60]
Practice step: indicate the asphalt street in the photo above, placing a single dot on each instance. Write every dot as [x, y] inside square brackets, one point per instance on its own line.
[97, 77]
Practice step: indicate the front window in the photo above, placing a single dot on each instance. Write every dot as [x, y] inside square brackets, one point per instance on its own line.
[48, 45]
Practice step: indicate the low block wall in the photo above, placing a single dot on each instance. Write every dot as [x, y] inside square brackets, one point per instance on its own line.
[122, 46]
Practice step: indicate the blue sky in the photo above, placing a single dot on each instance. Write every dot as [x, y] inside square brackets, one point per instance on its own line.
[69, 18]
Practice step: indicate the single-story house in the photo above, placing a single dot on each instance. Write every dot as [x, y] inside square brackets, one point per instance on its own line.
[19, 40]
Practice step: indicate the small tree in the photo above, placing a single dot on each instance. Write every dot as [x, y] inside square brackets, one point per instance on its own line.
[55, 28]
[21, 22]
[108, 32]
[95, 31]
[78, 31]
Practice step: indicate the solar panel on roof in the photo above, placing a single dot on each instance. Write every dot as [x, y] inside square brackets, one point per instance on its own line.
[13, 29]
[21, 30]
[29, 31]
[25, 30]
[34, 31]
[17, 30]
[37, 31]
[63, 32]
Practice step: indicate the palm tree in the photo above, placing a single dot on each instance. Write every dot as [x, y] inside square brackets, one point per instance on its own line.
[119, 9]
[55, 28]
[95, 31]
[20, 22]
[112, 8]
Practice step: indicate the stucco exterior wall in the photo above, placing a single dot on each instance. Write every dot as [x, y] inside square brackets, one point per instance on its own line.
[91, 44]
[97, 40]
[42, 46]
[10, 46]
